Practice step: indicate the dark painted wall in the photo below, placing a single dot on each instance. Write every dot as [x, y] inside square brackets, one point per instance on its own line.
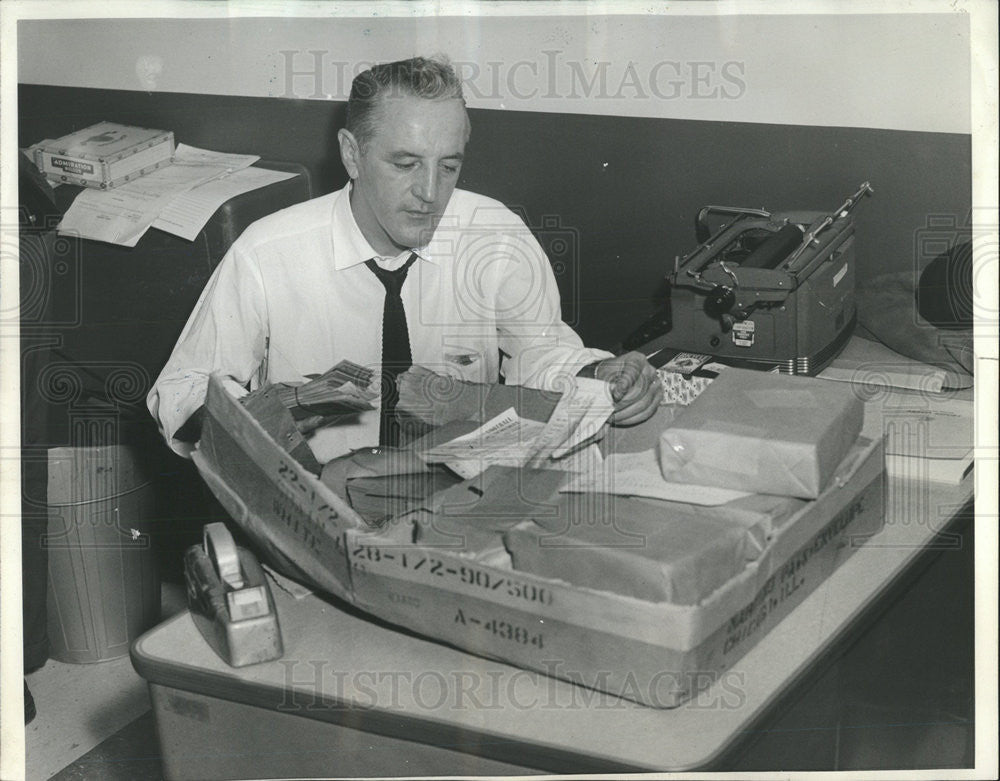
[612, 198]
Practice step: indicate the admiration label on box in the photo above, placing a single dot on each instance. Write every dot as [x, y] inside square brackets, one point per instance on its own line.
[72, 166]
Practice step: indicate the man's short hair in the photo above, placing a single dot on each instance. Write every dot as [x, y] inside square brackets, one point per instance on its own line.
[432, 78]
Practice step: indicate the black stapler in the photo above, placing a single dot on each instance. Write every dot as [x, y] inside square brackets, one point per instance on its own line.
[230, 600]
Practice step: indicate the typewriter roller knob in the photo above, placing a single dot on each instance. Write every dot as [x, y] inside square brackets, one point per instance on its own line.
[719, 301]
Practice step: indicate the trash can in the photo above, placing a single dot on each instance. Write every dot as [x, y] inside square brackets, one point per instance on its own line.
[103, 589]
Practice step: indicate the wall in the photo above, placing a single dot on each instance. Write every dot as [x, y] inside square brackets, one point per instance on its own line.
[898, 71]
[808, 109]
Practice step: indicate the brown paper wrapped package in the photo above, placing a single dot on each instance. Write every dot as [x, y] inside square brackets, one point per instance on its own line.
[652, 550]
[763, 433]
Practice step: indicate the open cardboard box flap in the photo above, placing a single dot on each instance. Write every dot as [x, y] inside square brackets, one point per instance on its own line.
[297, 522]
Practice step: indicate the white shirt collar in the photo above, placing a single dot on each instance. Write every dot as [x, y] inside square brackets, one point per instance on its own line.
[350, 247]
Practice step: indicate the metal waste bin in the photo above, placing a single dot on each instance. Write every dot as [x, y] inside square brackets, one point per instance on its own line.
[103, 585]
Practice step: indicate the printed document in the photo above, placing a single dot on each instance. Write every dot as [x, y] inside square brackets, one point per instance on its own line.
[510, 440]
[123, 214]
[505, 440]
[579, 416]
[188, 213]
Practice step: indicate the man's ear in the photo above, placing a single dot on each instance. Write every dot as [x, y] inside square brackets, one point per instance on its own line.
[350, 152]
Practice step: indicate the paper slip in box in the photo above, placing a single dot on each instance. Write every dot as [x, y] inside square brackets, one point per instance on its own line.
[763, 433]
[659, 654]
[104, 155]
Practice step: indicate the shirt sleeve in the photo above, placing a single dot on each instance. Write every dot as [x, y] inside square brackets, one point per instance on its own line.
[540, 350]
[226, 334]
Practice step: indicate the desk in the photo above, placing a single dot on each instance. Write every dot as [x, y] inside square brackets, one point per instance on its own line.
[381, 702]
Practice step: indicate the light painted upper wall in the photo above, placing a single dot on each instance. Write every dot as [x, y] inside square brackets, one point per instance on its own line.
[900, 71]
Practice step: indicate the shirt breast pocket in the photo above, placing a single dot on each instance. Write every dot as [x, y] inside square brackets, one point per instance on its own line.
[465, 363]
[462, 358]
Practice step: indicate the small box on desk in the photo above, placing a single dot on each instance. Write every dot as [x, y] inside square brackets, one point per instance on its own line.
[657, 653]
[104, 155]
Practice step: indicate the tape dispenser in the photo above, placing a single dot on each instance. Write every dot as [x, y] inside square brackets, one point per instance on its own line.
[230, 600]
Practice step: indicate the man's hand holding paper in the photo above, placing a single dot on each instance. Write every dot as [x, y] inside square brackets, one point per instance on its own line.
[635, 387]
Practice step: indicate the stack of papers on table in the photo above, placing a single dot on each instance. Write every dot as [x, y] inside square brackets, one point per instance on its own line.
[179, 198]
[928, 439]
[871, 365]
[928, 430]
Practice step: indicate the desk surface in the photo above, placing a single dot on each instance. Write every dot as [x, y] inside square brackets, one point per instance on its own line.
[338, 662]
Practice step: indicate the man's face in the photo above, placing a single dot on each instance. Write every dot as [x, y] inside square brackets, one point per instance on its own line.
[405, 177]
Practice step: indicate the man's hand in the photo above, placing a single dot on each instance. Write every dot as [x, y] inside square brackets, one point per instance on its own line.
[635, 387]
[434, 398]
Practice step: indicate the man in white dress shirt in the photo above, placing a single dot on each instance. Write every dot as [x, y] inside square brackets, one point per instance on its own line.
[296, 293]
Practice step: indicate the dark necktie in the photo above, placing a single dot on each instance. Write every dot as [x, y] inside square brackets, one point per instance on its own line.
[396, 357]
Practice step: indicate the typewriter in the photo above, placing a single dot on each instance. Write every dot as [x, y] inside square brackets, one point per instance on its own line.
[761, 289]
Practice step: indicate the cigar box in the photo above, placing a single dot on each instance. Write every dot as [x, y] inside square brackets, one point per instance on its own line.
[104, 155]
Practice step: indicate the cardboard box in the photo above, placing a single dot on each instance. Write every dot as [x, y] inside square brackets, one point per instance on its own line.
[763, 433]
[104, 155]
[659, 654]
